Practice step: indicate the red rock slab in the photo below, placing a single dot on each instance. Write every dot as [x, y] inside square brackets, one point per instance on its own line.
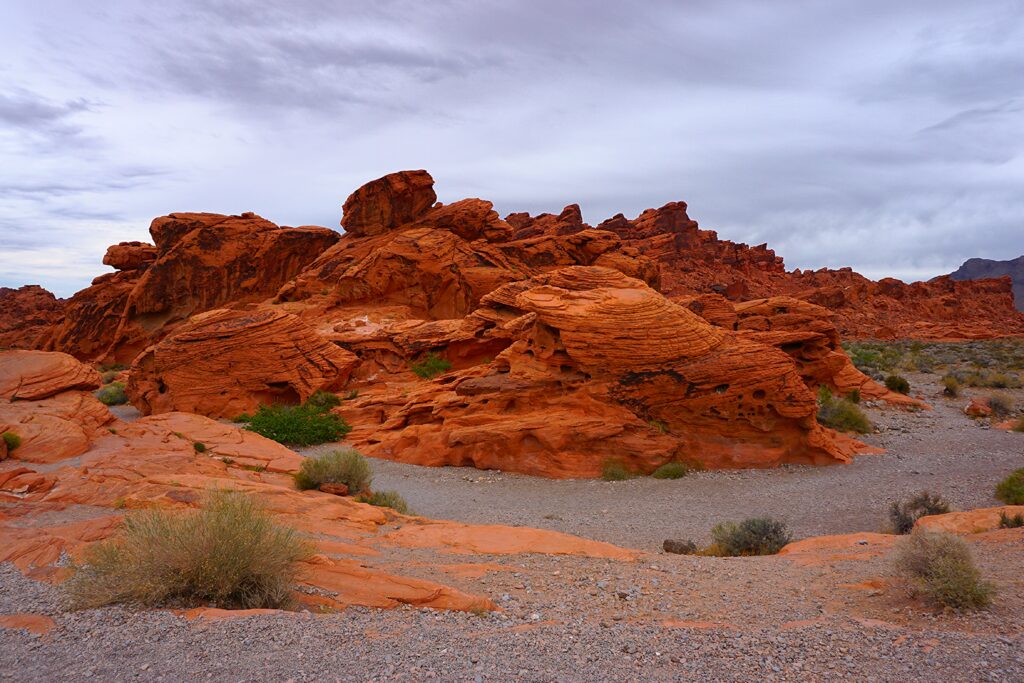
[32, 375]
[55, 428]
[34, 623]
[827, 550]
[354, 584]
[969, 521]
[502, 540]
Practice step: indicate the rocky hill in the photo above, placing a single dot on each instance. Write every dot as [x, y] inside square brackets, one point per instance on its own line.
[981, 268]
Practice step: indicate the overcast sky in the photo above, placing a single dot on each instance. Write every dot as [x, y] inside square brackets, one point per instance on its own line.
[883, 135]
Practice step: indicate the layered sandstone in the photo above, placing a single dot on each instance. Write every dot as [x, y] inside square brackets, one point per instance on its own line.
[599, 366]
[227, 362]
[198, 262]
[26, 315]
[32, 375]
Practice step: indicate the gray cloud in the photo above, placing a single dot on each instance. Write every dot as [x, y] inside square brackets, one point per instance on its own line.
[875, 134]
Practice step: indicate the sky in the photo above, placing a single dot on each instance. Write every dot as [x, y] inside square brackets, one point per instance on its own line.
[887, 136]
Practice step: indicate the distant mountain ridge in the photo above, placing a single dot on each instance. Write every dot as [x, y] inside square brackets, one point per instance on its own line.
[980, 268]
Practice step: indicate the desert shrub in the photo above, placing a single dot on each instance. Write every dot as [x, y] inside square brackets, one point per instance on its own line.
[228, 554]
[386, 499]
[671, 470]
[1001, 405]
[1018, 426]
[323, 400]
[940, 567]
[659, 426]
[1007, 522]
[840, 413]
[951, 386]
[853, 396]
[346, 466]
[12, 440]
[199, 447]
[679, 546]
[615, 469]
[112, 394]
[108, 376]
[904, 514]
[897, 383]
[1011, 489]
[303, 425]
[752, 536]
[431, 366]
[113, 367]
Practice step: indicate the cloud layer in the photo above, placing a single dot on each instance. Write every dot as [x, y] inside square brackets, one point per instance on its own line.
[880, 135]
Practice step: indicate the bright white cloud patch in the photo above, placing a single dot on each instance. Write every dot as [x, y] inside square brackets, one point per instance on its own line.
[880, 135]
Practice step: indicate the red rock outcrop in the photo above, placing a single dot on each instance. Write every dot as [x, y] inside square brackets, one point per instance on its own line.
[26, 315]
[386, 203]
[200, 261]
[152, 463]
[225, 362]
[32, 375]
[600, 366]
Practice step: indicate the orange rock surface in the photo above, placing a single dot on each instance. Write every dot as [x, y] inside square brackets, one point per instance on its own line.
[26, 315]
[225, 362]
[30, 375]
[200, 261]
[152, 463]
[969, 521]
[598, 365]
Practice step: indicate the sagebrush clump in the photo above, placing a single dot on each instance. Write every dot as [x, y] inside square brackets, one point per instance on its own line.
[940, 567]
[304, 425]
[386, 499]
[1001, 405]
[903, 515]
[951, 386]
[345, 466]
[112, 395]
[229, 554]
[1011, 489]
[752, 536]
[1008, 522]
[671, 470]
[841, 413]
[615, 469]
[431, 366]
[898, 384]
[12, 440]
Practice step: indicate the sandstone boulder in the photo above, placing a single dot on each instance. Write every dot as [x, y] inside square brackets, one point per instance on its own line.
[26, 315]
[32, 375]
[130, 255]
[227, 362]
[385, 203]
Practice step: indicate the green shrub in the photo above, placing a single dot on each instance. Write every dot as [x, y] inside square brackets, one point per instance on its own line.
[323, 400]
[229, 554]
[303, 425]
[903, 515]
[671, 470]
[841, 414]
[386, 499]
[108, 376]
[431, 366]
[897, 383]
[1011, 489]
[752, 536]
[199, 447]
[854, 396]
[951, 386]
[346, 466]
[940, 567]
[1007, 522]
[112, 394]
[1001, 405]
[615, 469]
[659, 426]
[12, 440]
[113, 367]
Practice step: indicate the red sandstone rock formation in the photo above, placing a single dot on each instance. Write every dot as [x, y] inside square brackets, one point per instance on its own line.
[597, 366]
[26, 315]
[224, 363]
[386, 203]
[199, 262]
[32, 375]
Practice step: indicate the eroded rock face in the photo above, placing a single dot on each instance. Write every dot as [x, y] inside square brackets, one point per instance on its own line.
[33, 375]
[386, 203]
[26, 315]
[200, 261]
[225, 362]
[597, 366]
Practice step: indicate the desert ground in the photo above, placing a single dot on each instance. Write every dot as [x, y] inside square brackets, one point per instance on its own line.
[824, 612]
